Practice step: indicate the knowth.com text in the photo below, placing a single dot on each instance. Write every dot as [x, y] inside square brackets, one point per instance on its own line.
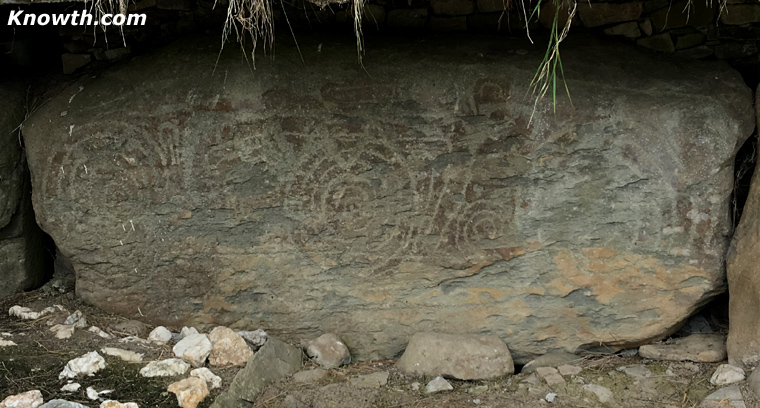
[75, 18]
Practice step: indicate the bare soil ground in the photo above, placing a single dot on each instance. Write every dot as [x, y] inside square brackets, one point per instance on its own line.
[39, 357]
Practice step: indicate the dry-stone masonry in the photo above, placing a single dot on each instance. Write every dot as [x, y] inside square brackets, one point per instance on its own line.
[420, 197]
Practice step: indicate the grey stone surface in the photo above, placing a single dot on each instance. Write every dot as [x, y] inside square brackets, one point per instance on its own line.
[552, 359]
[414, 199]
[327, 350]
[728, 397]
[753, 382]
[603, 394]
[11, 157]
[704, 348]
[660, 42]
[273, 361]
[741, 14]
[452, 7]
[21, 264]
[465, 357]
[59, 403]
[599, 14]
[684, 13]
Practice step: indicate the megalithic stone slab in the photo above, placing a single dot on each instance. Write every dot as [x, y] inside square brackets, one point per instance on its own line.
[21, 257]
[425, 196]
[743, 344]
[274, 360]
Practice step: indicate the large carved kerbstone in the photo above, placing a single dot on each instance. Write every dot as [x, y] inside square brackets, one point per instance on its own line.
[413, 196]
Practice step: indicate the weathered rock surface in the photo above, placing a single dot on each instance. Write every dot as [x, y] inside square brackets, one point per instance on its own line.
[194, 348]
[124, 355]
[550, 375]
[165, 368]
[461, 356]
[743, 270]
[190, 391]
[728, 397]
[275, 360]
[438, 384]
[327, 350]
[414, 199]
[254, 338]
[212, 380]
[227, 348]
[160, 335]
[753, 382]
[29, 399]
[59, 403]
[727, 374]
[552, 359]
[87, 364]
[117, 404]
[21, 263]
[603, 394]
[703, 348]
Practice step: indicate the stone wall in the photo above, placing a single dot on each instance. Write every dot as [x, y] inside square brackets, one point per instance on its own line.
[689, 29]
[21, 257]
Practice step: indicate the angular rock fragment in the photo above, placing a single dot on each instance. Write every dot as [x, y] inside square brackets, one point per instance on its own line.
[255, 338]
[29, 399]
[701, 348]
[550, 375]
[26, 313]
[124, 355]
[190, 391]
[63, 331]
[552, 359]
[603, 394]
[227, 348]
[99, 332]
[117, 404]
[194, 348]
[76, 320]
[728, 397]
[7, 343]
[328, 350]
[165, 368]
[160, 335]
[87, 364]
[567, 369]
[212, 380]
[727, 374]
[438, 384]
[59, 403]
[275, 360]
[461, 356]
[71, 387]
